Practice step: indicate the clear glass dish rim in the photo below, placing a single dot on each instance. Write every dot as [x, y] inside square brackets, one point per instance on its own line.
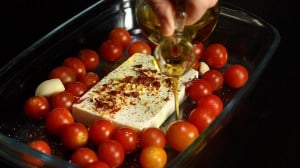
[226, 9]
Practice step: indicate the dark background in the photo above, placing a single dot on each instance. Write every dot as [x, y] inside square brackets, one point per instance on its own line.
[266, 131]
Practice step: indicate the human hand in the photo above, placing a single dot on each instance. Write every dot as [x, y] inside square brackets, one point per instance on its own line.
[165, 11]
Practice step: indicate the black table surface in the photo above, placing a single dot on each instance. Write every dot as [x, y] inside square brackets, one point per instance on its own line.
[265, 135]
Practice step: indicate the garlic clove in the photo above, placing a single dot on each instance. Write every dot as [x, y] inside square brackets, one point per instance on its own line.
[49, 87]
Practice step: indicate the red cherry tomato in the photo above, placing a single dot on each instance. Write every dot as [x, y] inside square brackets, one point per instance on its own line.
[76, 64]
[96, 164]
[56, 119]
[41, 146]
[90, 58]
[77, 88]
[212, 102]
[90, 79]
[139, 47]
[197, 88]
[83, 156]
[153, 156]
[180, 134]
[36, 107]
[216, 55]
[63, 99]
[64, 73]
[111, 50]
[199, 50]
[111, 152]
[201, 117]
[152, 136]
[215, 78]
[101, 130]
[235, 76]
[121, 35]
[127, 137]
[74, 135]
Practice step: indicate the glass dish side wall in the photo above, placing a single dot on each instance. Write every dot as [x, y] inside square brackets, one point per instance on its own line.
[250, 41]
[20, 77]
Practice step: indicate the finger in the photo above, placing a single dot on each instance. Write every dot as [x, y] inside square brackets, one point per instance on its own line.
[165, 13]
[195, 9]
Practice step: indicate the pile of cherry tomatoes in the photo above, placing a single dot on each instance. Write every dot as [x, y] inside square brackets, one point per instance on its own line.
[104, 144]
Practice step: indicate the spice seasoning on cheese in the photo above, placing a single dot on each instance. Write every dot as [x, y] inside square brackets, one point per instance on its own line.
[135, 94]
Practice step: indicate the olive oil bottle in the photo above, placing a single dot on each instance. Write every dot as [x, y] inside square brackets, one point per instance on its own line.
[150, 24]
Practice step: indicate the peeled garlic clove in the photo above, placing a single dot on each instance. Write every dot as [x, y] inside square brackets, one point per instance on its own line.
[203, 67]
[49, 87]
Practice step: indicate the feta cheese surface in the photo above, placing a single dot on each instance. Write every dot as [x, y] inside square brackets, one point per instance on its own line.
[135, 94]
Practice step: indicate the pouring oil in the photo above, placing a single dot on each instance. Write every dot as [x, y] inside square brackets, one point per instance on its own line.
[174, 57]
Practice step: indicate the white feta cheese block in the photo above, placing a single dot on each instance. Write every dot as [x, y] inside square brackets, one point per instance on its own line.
[135, 94]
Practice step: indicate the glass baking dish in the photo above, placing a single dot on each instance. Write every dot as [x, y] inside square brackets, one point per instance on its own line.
[250, 41]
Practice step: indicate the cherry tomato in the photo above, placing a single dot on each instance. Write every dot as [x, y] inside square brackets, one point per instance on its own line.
[56, 119]
[41, 146]
[36, 107]
[216, 55]
[64, 73]
[77, 88]
[212, 102]
[83, 156]
[199, 50]
[235, 76]
[152, 136]
[90, 79]
[74, 135]
[111, 152]
[111, 50]
[121, 35]
[201, 117]
[139, 47]
[197, 88]
[127, 137]
[96, 164]
[63, 99]
[180, 134]
[215, 78]
[101, 130]
[153, 156]
[90, 58]
[76, 64]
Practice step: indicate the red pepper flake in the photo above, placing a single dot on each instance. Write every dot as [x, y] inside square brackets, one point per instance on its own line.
[78, 101]
[135, 94]
[138, 66]
[167, 99]
[156, 84]
[113, 92]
